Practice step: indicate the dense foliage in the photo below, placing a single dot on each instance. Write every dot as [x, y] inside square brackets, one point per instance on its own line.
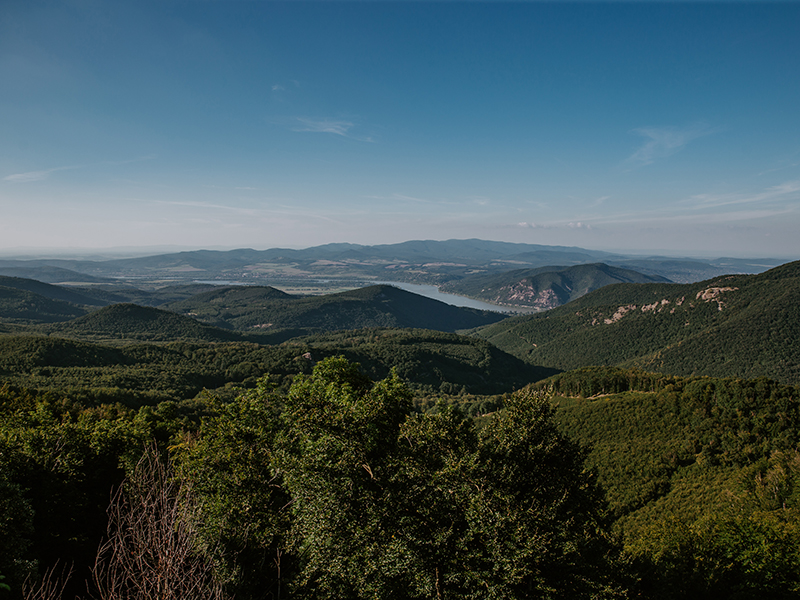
[58, 463]
[732, 326]
[23, 306]
[434, 362]
[141, 373]
[328, 485]
[336, 489]
[53, 292]
[702, 476]
[137, 374]
[365, 499]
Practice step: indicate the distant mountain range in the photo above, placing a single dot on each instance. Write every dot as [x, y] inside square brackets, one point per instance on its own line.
[736, 325]
[432, 262]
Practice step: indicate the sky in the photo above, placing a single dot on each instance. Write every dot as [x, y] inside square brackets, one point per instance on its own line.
[643, 127]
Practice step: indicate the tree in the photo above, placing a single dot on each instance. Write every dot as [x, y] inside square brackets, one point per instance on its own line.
[336, 456]
[241, 506]
[434, 488]
[393, 504]
[536, 511]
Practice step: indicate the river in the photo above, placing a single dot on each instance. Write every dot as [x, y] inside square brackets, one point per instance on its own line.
[431, 291]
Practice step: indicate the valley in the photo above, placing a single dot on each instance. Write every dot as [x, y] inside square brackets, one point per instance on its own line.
[675, 408]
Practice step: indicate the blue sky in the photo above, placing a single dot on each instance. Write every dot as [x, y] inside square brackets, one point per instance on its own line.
[638, 126]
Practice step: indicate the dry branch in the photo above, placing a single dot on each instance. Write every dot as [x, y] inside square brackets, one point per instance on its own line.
[152, 552]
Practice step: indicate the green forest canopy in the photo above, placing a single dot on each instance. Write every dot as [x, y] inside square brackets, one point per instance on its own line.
[597, 483]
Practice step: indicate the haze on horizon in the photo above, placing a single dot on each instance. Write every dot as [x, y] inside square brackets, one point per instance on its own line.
[611, 126]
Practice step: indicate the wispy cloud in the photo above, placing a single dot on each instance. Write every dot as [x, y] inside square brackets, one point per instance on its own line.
[789, 162]
[30, 176]
[789, 190]
[336, 127]
[555, 225]
[280, 87]
[324, 126]
[403, 197]
[661, 142]
[600, 200]
[461, 202]
[779, 201]
[35, 175]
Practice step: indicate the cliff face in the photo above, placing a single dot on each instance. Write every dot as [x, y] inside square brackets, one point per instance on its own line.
[730, 326]
[546, 287]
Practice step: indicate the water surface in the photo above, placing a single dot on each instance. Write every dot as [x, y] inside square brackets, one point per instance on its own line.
[431, 291]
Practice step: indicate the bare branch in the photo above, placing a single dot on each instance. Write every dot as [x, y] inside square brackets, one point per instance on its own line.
[51, 587]
[152, 551]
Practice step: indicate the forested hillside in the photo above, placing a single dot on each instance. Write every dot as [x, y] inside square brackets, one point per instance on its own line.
[146, 373]
[265, 309]
[701, 475]
[335, 487]
[134, 322]
[157, 297]
[433, 362]
[22, 306]
[27, 301]
[737, 325]
[45, 273]
[546, 287]
[265, 313]
[53, 292]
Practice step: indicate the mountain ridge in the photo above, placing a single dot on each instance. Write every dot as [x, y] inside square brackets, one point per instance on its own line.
[544, 288]
[245, 308]
[734, 325]
[424, 261]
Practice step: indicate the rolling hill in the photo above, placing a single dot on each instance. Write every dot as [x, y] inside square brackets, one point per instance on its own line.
[546, 287]
[142, 323]
[23, 306]
[48, 274]
[265, 309]
[53, 292]
[437, 362]
[736, 325]
[117, 294]
[86, 298]
[138, 371]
